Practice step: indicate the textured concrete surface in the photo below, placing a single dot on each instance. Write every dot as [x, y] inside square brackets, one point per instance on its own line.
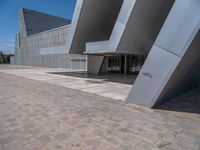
[172, 66]
[35, 115]
[42, 41]
[103, 85]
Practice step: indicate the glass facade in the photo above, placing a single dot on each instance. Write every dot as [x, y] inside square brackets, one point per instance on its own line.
[125, 64]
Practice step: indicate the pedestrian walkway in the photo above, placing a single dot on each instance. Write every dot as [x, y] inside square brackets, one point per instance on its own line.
[116, 86]
[36, 115]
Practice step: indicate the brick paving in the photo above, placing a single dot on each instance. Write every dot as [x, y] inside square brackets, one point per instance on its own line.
[36, 115]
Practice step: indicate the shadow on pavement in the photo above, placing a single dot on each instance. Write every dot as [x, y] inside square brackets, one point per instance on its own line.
[114, 77]
[188, 102]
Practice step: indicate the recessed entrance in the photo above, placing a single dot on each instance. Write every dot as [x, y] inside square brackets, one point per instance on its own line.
[124, 64]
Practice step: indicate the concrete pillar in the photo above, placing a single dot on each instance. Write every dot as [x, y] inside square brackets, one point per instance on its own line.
[125, 64]
[171, 59]
[94, 64]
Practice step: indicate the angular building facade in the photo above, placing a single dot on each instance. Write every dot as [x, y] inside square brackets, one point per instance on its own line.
[42, 41]
[156, 39]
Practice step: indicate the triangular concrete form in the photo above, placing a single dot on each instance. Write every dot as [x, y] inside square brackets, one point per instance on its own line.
[93, 20]
[166, 31]
[171, 67]
[136, 28]
[37, 22]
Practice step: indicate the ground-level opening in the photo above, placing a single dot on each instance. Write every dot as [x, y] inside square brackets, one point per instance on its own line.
[109, 75]
[123, 64]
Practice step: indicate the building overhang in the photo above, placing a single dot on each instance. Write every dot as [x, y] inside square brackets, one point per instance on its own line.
[92, 21]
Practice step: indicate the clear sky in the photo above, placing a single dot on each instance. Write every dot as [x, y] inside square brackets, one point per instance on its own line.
[9, 16]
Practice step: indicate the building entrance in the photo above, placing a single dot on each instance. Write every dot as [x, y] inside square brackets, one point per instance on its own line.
[114, 64]
[124, 64]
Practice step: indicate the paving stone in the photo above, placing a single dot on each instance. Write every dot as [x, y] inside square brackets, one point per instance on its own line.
[179, 145]
[62, 136]
[38, 115]
[6, 139]
[108, 146]
[35, 146]
[46, 138]
[56, 145]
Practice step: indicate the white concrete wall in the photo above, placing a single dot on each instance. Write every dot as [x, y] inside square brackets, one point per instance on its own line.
[93, 20]
[46, 49]
[94, 64]
[136, 28]
[12, 60]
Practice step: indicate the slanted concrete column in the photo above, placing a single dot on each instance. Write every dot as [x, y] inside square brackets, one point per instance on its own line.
[94, 64]
[125, 64]
[167, 69]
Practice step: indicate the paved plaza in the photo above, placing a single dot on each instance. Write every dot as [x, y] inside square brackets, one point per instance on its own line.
[39, 110]
[113, 86]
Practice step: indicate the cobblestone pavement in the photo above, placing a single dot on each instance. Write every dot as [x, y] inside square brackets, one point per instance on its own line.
[36, 115]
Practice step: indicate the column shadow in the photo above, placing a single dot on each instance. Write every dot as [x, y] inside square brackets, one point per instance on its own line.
[188, 102]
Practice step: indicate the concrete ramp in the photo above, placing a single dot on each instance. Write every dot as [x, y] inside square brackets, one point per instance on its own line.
[136, 28]
[172, 66]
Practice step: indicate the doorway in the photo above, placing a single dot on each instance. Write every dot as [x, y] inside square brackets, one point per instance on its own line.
[123, 64]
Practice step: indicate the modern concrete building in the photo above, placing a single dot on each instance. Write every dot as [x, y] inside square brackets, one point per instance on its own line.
[42, 41]
[156, 39]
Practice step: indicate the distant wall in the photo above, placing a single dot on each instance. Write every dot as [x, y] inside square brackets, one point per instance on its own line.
[55, 61]
[46, 49]
[12, 60]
